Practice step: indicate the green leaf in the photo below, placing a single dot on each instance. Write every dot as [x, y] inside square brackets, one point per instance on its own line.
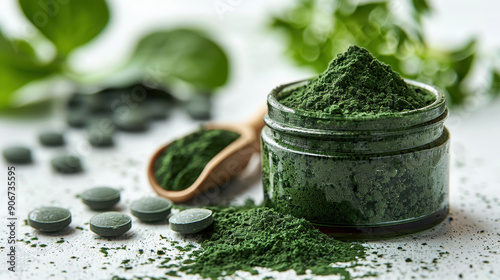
[495, 83]
[32, 110]
[19, 67]
[421, 6]
[456, 94]
[463, 58]
[69, 23]
[183, 54]
[421, 9]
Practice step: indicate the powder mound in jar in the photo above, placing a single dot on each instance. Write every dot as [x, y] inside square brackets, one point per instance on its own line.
[180, 164]
[245, 238]
[357, 84]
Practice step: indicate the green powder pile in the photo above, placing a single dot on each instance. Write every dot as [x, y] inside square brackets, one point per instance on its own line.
[242, 239]
[357, 84]
[180, 164]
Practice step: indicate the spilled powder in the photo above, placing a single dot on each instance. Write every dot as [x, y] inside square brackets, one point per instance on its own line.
[245, 238]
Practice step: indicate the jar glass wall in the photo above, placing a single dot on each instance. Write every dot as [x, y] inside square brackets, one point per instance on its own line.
[365, 177]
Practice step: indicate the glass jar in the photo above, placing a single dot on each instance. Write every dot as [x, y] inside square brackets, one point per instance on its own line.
[358, 177]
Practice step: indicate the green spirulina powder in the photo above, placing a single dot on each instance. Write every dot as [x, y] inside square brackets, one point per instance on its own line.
[244, 238]
[356, 84]
[180, 164]
[347, 158]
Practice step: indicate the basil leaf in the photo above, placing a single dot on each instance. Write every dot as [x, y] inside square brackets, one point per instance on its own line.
[69, 23]
[19, 67]
[183, 54]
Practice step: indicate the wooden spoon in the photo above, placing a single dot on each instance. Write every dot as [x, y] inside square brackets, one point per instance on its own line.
[226, 165]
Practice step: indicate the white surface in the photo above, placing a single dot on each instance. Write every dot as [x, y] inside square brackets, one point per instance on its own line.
[472, 238]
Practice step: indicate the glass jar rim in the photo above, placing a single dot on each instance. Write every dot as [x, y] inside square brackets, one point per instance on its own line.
[315, 120]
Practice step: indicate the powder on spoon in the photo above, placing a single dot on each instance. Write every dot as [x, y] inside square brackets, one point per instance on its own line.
[356, 84]
[182, 162]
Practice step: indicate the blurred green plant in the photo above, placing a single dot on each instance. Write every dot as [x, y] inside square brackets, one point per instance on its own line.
[183, 54]
[67, 25]
[317, 30]
[19, 65]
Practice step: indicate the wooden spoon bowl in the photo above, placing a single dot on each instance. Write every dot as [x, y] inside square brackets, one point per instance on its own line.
[225, 166]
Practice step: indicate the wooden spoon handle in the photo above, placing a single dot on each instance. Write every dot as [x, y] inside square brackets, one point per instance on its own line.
[257, 119]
